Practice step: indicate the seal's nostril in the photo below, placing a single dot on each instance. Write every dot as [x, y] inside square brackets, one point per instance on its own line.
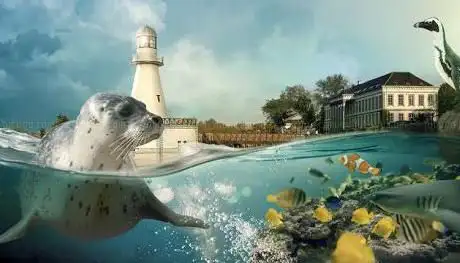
[157, 120]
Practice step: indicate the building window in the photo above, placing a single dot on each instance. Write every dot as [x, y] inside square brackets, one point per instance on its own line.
[391, 117]
[411, 116]
[390, 100]
[421, 100]
[430, 100]
[379, 101]
[158, 98]
[400, 100]
[411, 99]
[400, 116]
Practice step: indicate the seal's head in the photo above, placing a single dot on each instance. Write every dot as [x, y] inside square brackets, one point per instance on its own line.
[431, 24]
[119, 123]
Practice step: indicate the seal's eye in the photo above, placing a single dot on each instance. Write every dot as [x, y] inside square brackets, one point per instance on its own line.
[126, 110]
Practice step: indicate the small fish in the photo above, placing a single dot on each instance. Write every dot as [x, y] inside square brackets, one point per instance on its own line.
[319, 174]
[415, 230]
[349, 161]
[322, 214]
[361, 216]
[379, 165]
[364, 168]
[329, 160]
[333, 203]
[384, 227]
[288, 198]
[274, 218]
[354, 162]
[352, 248]
[291, 180]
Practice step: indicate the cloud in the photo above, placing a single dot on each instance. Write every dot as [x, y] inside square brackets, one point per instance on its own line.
[222, 59]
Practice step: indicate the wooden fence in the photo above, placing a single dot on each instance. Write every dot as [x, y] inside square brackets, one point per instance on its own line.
[247, 139]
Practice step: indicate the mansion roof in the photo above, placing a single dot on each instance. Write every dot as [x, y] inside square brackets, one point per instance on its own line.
[389, 79]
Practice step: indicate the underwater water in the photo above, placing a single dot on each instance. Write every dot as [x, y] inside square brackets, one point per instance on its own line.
[229, 194]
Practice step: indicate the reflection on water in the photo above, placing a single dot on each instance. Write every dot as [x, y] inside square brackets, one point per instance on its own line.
[228, 193]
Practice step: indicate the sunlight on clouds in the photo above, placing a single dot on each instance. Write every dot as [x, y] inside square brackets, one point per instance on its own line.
[210, 87]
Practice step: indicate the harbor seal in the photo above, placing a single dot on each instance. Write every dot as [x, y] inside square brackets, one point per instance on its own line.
[107, 129]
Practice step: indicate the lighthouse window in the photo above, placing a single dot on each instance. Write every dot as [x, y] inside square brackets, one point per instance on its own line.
[151, 43]
[158, 98]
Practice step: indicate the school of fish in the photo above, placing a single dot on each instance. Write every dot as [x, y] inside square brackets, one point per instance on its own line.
[418, 213]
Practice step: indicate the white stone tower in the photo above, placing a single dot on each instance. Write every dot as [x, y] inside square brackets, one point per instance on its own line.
[147, 84]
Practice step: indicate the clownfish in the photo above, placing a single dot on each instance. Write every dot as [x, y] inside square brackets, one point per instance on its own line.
[354, 162]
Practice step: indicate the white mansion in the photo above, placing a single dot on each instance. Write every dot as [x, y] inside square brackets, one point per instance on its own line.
[401, 95]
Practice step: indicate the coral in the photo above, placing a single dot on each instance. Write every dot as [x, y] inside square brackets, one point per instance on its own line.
[304, 239]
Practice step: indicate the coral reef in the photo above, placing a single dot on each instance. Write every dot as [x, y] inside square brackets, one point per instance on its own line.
[304, 239]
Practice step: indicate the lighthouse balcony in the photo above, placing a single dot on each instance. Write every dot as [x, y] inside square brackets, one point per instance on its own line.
[148, 58]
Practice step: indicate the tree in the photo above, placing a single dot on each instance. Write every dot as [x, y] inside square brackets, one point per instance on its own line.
[276, 110]
[332, 85]
[326, 88]
[446, 98]
[294, 99]
[60, 119]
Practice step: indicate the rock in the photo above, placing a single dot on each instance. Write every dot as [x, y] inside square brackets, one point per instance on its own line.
[448, 172]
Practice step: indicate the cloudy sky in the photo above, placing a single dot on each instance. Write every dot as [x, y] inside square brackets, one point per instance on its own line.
[223, 58]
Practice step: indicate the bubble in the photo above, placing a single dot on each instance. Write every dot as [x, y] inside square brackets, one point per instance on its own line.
[165, 194]
[246, 191]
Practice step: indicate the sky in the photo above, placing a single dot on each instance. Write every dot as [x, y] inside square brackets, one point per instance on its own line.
[223, 58]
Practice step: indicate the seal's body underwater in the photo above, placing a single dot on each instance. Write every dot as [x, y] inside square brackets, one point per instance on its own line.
[107, 129]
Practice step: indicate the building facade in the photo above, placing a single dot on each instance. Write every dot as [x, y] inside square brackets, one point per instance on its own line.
[396, 96]
[147, 88]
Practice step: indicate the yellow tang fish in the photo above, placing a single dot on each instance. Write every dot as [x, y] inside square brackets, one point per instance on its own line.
[352, 248]
[384, 227]
[361, 216]
[274, 218]
[288, 198]
[322, 214]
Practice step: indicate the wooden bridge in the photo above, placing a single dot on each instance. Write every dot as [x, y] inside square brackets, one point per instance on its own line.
[239, 140]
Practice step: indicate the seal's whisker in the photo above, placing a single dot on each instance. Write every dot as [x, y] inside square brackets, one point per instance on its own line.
[115, 146]
[127, 146]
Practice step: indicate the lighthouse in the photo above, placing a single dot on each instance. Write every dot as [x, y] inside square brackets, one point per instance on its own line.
[147, 88]
[147, 83]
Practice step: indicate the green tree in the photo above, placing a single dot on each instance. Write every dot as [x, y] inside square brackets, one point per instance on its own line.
[326, 88]
[276, 110]
[332, 85]
[446, 98]
[60, 119]
[294, 99]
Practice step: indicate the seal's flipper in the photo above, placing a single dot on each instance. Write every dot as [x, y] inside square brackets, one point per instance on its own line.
[18, 230]
[155, 209]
